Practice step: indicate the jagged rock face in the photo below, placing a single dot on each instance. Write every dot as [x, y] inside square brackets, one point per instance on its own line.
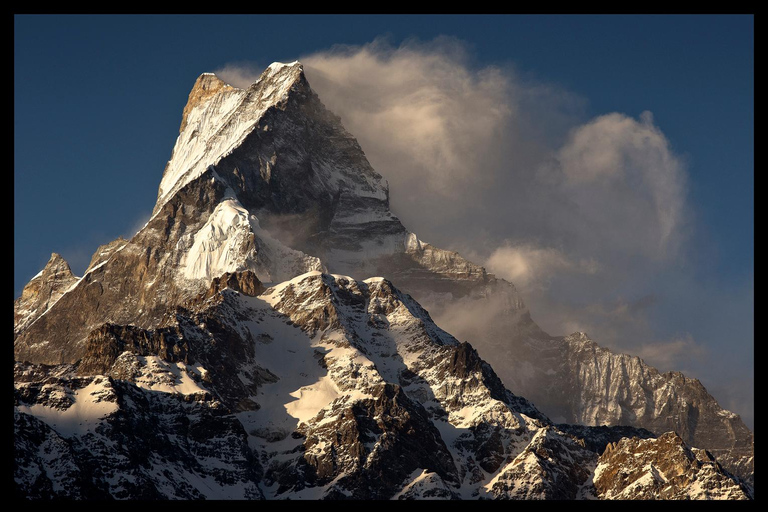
[597, 438]
[151, 273]
[553, 466]
[103, 253]
[370, 335]
[98, 438]
[573, 380]
[42, 292]
[291, 162]
[264, 179]
[288, 159]
[135, 285]
[245, 282]
[368, 448]
[427, 271]
[620, 389]
[663, 468]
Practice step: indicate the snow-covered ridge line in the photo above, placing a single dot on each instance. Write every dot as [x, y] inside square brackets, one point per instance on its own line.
[213, 128]
[232, 240]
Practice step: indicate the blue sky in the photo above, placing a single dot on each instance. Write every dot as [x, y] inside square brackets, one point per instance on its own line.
[98, 101]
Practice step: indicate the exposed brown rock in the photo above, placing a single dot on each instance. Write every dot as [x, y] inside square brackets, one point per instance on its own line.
[244, 282]
[663, 469]
[206, 86]
[42, 291]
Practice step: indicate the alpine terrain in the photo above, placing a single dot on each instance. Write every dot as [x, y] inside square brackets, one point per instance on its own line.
[275, 332]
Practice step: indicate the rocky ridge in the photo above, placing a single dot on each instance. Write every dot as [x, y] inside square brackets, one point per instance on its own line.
[42, 292]
[663, 468]
[319, 387]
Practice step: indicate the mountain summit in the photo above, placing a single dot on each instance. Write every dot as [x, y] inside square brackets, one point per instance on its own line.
[264, 336]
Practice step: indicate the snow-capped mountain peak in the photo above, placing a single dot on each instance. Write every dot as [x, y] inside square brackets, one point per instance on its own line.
[216, 119]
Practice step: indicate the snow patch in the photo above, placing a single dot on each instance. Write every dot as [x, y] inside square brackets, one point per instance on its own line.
[91, 404]
[232, 240]
[219, 245]
[159, 375]
[311, 399]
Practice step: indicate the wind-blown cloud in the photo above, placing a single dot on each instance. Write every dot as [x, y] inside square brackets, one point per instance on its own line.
[464, 147]
[617, 165]
[528, 266]
[439, 117]
[671, 355]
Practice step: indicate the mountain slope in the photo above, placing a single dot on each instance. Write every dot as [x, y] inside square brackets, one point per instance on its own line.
[318, 387]
[42, 292]
[265, 182]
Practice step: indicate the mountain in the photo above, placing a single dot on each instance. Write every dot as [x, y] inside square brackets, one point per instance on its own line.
[237, 347]
[574, 380]
[319, 387]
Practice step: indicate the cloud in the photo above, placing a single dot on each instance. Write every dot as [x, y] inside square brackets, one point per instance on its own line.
[137, 225]
[440, 117]
[509, 171]
[737, 394]
[527, 266]
[240, 75]
[624, 178]
[671, 355]
[78, 258]
[615, 322]
[465, 146]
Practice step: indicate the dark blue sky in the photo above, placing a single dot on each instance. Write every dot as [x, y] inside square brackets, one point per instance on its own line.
[98, 102]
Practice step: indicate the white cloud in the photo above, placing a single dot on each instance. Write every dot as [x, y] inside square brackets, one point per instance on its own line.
[479, 159]
[418, 107]
[625, 179]
[240, 75]
[530, 266]
[671, 355]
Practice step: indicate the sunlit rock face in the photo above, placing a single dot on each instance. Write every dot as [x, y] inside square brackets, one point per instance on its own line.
[662, 469]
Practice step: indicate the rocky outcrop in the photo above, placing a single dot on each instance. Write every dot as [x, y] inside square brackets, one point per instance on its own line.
[663, 469]
[117, 440]
[136, 285]
[368, 448]
[206, 86]
[245, 282]
[103, 253]
[108, 342]
[553, 466]
[618, 389]
[575, 381]
[597, 438]
[42, 292]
